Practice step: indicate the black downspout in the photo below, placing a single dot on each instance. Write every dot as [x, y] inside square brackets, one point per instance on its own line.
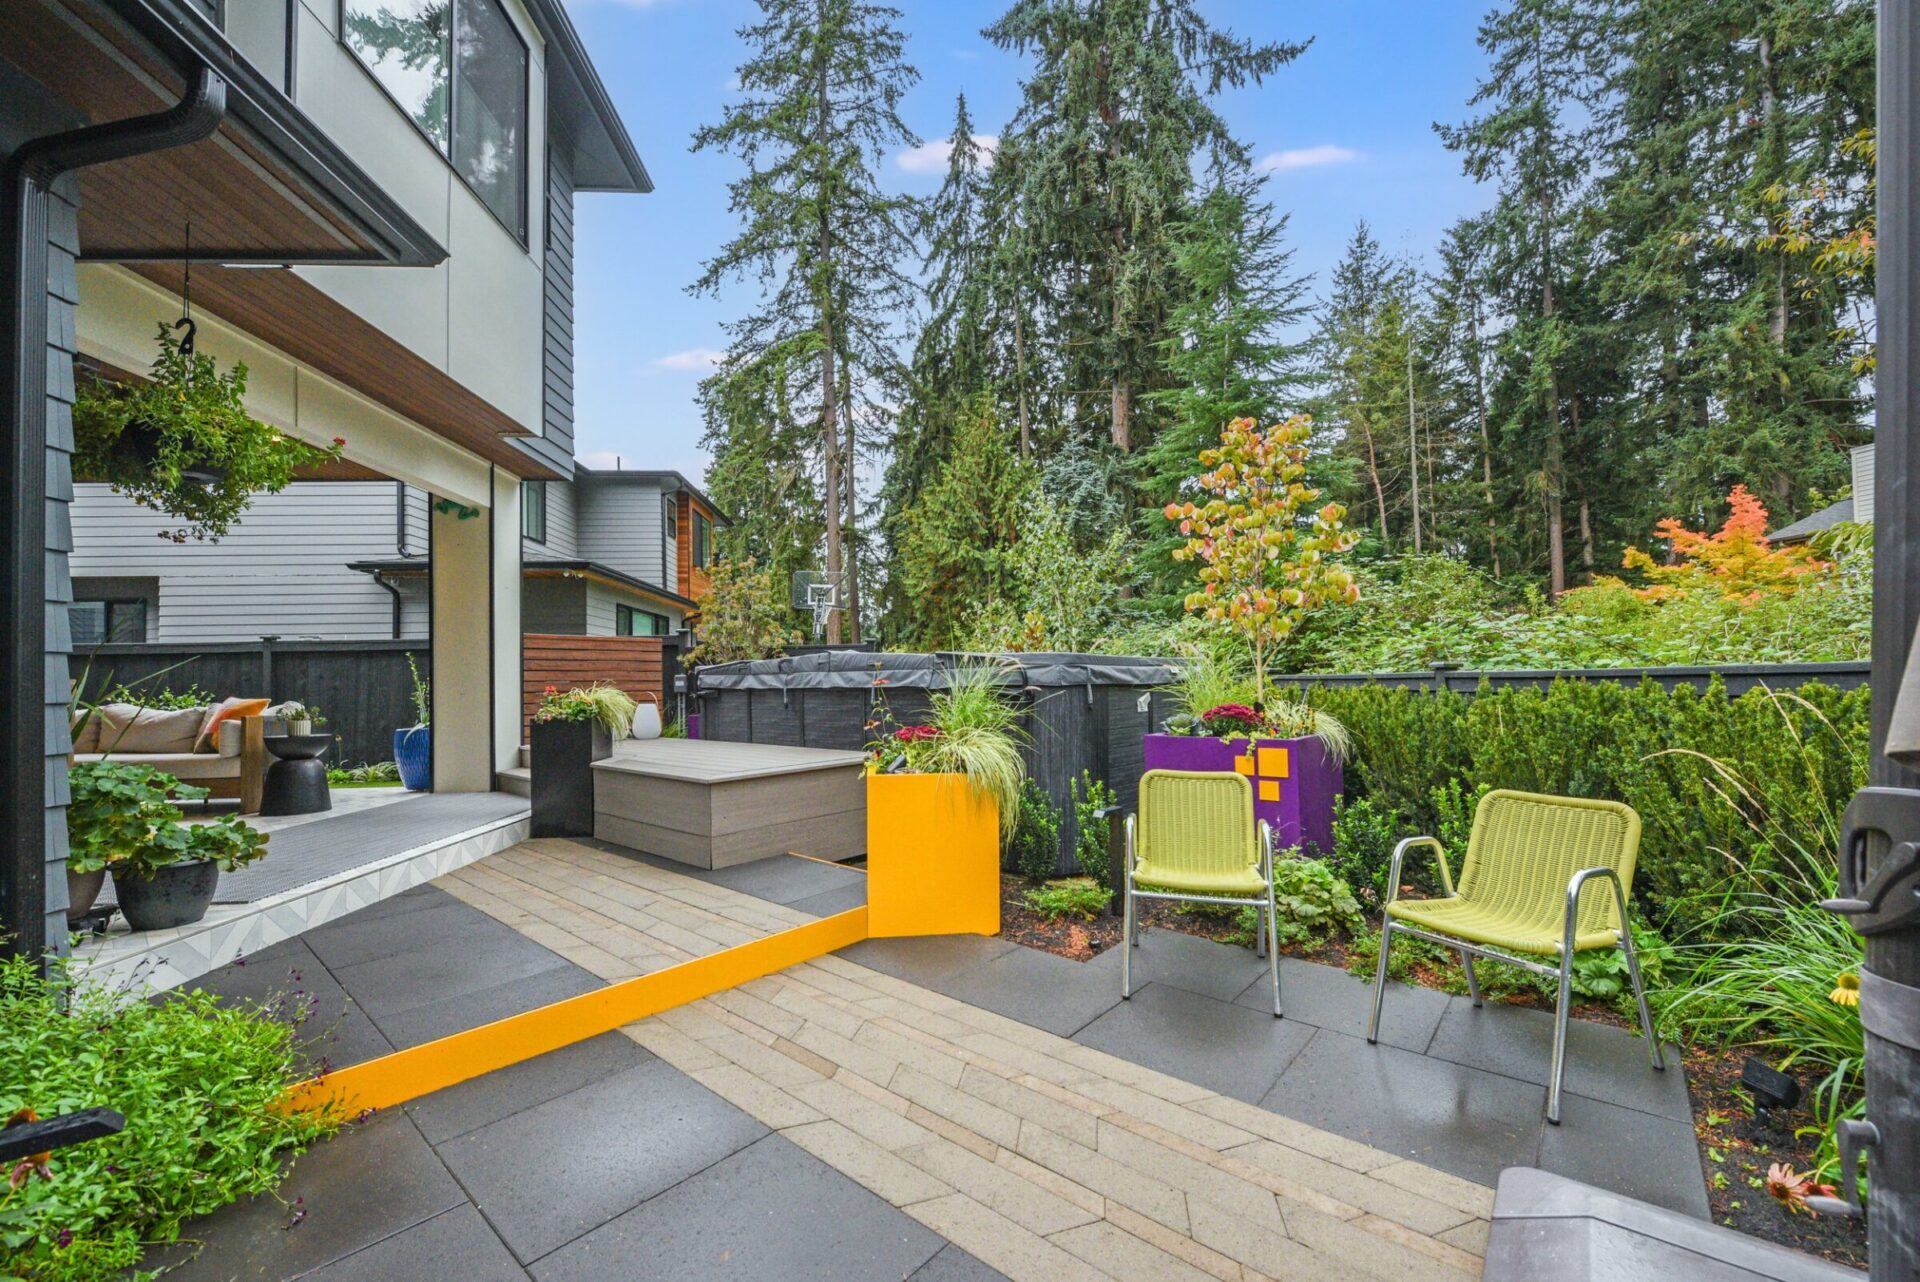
[383, 581]
[24, 677]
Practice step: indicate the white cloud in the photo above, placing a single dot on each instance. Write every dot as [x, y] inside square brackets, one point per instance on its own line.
[694, 358]
[932, 157]
[1280, 162]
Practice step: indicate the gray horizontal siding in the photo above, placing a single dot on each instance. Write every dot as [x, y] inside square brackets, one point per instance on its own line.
[603, 604]
[416, 521]
[281, 571]
[620, 526]
[563, 541]
[557, 323]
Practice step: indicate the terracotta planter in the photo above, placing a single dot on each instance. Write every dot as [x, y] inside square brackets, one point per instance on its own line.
[82, 889]
[563, 753]
[176, 895]
[1294, 781]
[933, 857]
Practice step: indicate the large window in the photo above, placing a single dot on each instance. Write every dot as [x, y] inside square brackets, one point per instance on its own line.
[533, 510]
[459, 69]
[629, 622]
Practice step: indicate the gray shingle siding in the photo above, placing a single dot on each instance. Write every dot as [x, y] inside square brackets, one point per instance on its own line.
[63, 296]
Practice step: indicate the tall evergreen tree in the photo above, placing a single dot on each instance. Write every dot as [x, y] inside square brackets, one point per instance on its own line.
[819, 111]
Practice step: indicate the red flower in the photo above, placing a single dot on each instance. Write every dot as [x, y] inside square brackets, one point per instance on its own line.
[916, 734]
[339, 441]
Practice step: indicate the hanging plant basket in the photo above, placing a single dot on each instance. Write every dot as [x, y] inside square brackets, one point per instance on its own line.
[183, 443]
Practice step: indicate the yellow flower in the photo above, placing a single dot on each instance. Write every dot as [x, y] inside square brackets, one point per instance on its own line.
[1846, 990]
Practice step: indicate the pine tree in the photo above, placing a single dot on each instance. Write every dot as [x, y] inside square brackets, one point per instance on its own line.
[1226, 356]
[1116, 115]
[821, 89]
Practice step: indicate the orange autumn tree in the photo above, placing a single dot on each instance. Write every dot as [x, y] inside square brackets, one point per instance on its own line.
[1262, 568]
[1737, 562]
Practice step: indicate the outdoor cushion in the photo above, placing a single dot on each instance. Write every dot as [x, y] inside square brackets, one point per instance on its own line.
[86, 732]
[128, 729]
[185, 766]
[225, 710]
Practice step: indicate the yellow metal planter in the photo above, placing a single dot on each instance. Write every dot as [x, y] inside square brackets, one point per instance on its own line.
[933, 857]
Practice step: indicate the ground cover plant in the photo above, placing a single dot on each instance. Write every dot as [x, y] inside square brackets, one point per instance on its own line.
[197, 1082]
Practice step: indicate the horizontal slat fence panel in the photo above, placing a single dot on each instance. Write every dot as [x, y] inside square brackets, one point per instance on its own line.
[635, 664]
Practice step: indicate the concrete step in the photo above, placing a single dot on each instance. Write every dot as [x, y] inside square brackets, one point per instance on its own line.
[526, 756]
[518, 781]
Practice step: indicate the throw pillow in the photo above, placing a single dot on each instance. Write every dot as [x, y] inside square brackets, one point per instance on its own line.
[126, 730]
[225, 710]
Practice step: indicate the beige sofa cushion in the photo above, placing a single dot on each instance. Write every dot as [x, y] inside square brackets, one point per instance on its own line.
[127, 730]
[86, 732]
[188, 767]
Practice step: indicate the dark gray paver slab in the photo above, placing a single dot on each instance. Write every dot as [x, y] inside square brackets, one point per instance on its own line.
[1054, 993]
[547, 1174]
[1545, 1226]
[355, 939]
[432, 1020]
[455, 1244]
[361, 1187]
[833, 901]
[1629, 1152]
[457, 1110]
[1328, 997]
[1603, 1062]
[313, 851]
[1198, 965]
[929, 960]
[1467, 1121]
[954, 1265]
[479, 953]
[1215, 1044]
[771, 1210]
[292, 985]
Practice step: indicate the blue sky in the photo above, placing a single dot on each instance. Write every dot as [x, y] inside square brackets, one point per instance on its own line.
[1348, 127]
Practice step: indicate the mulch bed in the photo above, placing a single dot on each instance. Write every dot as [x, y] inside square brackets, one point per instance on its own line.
[1735, 1147]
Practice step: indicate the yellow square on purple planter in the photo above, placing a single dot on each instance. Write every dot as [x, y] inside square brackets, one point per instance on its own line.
[1244, 764]
[1273, 764]
[1270, 789]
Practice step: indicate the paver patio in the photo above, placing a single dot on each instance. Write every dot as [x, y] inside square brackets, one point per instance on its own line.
[907, 1108]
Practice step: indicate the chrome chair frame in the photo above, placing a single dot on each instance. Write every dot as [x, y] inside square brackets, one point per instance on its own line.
[1561, 971]
[1264, 933]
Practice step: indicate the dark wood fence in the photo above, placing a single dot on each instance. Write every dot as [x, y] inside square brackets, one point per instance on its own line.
[363, 687]
[637, 665]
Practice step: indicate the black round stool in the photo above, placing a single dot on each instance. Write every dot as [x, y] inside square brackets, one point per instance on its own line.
[296, 782]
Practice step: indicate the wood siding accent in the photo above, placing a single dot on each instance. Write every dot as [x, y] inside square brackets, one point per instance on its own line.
[694, 579]
[635, 664]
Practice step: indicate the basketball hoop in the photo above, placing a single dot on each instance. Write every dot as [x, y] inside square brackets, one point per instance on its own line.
[820, 594]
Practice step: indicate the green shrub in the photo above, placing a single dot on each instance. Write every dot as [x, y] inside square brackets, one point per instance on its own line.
[196, 1082]
[1090, 797]
[1035, 848]
[1364, 834]
[163, 699]
[1599, 974]
[1080, 897]
[1311, 902]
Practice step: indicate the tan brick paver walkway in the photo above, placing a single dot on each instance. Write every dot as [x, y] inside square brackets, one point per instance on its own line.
[1047, 1159]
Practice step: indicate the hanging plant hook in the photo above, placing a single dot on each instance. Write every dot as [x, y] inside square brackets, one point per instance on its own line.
[186, 293]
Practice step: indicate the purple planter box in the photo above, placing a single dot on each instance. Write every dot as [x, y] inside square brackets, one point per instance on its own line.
[1294, 780]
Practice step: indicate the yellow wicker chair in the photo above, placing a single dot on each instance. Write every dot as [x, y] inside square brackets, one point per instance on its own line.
[1195, 839]
[1520, 897]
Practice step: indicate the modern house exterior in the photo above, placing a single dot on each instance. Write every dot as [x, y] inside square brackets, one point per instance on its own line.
[607, 553]
[373, 200]
[1858, 507]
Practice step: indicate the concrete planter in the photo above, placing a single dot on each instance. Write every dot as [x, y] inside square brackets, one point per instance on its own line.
[562, 764]
[82, 889]
[1294, 780]
[176, 895]
[933, 857]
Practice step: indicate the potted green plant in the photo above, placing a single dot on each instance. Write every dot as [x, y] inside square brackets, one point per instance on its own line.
[413, 745]
[182, 443]
[296, 718]
[571, 730]
[938, 795]
[123, 819]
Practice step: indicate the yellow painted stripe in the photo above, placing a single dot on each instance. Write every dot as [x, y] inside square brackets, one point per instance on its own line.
[421, 1070]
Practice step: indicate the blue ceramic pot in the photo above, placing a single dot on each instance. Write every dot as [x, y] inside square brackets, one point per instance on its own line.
[413, 753]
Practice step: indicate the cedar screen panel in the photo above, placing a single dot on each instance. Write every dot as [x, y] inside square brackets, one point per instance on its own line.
[635, 664]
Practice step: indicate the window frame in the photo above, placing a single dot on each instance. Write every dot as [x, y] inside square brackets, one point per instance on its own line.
[527, 509]
[702, 554]
[107, 605]
[524, 236]
[624, 614]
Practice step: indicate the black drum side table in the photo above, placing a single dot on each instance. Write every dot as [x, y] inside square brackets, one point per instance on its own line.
[296, 782]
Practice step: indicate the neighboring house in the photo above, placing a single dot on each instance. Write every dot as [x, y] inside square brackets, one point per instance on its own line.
[376, 200]
[1858, 508]
[609, 553]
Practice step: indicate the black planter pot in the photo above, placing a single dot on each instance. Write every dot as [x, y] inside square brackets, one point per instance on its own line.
[176, 895]
[563, 757]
